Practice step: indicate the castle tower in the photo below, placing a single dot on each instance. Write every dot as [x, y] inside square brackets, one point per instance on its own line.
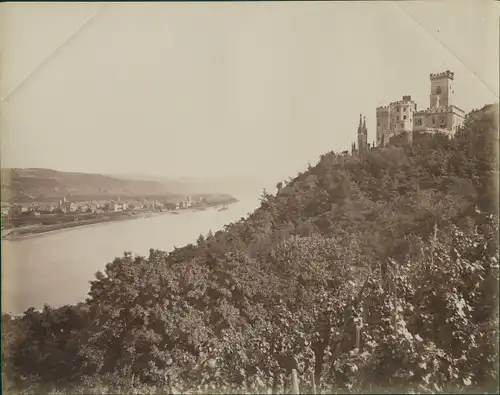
[383, 123]
[442, 89]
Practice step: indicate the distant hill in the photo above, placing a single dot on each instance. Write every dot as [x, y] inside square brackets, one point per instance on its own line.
[21, 185]
[181, 186]
[377, 272]
[240, 186]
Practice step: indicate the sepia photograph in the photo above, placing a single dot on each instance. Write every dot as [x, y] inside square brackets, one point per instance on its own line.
[250, 197]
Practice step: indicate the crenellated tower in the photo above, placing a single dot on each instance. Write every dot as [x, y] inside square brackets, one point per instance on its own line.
[442, 91]
[401, 118]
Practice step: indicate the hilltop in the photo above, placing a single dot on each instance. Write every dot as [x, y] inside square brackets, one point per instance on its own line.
[233, 185]
[25, 185]
[364, 273]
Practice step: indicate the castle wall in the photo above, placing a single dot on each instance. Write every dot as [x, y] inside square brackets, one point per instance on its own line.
[383, 122]
[456, 119]
[386, 137]
[451, 121]
[402, 116]
[419, 120]
[443, 99]
[436, 118]
[403, 121]
[447, 120]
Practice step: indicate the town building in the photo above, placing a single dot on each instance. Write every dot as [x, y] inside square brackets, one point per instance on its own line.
[403, 118]
[69, 207]
[116, 206]
[84, 208]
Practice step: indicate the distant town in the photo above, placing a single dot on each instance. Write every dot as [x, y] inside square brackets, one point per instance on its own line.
[21, 219]
[65, 206]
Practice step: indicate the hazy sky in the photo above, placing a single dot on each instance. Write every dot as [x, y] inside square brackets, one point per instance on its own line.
[219, 89]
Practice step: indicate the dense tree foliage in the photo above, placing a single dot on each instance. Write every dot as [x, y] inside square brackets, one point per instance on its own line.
[365, 274]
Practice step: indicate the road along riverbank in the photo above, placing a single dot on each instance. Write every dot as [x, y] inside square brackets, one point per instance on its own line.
[38, 229]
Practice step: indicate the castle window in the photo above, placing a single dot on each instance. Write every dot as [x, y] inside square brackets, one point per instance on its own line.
[404, 109]
[398, 117]
[433, 120]
[438, 90]
[404, 117]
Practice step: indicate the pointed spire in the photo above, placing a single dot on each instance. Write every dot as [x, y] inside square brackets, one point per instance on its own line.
[364, 122]
[360, 119]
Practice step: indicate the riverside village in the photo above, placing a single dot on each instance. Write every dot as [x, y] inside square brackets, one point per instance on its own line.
[396, 124]
[251, 199]
[22, 219]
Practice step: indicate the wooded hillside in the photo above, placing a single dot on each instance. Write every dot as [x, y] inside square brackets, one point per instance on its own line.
[378, 274]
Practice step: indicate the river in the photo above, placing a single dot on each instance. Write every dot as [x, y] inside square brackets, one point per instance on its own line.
[55, 268]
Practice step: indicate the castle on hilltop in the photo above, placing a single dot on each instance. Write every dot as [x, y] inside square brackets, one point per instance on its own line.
[402, 118]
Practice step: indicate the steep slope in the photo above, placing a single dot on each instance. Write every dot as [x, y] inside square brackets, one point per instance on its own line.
[367, 274]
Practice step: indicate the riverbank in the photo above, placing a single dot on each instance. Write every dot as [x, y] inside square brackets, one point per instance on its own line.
[31, 265]
[35, 230]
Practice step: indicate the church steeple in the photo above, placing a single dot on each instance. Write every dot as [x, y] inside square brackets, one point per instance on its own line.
[362, 134]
